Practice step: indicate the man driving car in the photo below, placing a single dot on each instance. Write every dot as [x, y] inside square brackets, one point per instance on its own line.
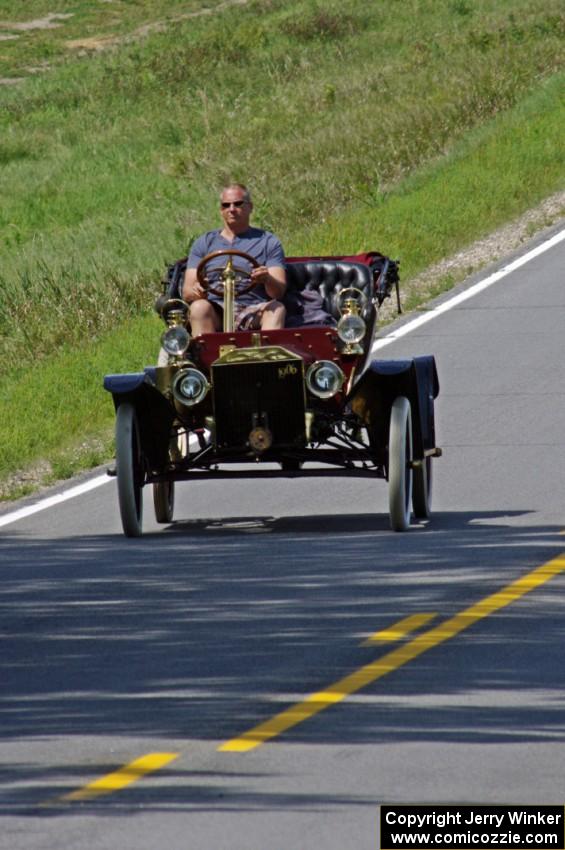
[261, 306]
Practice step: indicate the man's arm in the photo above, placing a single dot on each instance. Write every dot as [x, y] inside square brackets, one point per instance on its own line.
[272, 278]
[272, 275]
[191, 289]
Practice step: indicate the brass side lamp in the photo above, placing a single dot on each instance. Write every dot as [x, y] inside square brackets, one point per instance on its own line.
[176, 339]
[351, 327]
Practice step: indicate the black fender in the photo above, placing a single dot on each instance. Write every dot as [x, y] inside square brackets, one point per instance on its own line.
[381, 382]
[122, 385]
[155, 414]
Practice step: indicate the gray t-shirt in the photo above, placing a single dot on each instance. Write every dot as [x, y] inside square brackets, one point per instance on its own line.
[262, 245]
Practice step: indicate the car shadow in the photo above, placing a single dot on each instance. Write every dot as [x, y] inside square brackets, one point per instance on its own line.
[314, 524]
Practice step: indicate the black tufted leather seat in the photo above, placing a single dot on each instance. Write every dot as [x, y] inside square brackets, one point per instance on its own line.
[328, 278]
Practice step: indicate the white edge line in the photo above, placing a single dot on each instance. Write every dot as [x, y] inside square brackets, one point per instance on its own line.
[80, 489]
[50, 501]
[467, 293]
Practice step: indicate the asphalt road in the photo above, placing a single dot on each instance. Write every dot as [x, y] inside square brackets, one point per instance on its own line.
[163, 652]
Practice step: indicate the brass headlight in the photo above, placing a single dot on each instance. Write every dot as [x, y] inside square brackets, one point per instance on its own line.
[190, 386]
[324, 378]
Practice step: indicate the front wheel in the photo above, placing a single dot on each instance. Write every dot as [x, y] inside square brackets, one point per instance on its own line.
[164, 500]
[400, 464]
[129, 470]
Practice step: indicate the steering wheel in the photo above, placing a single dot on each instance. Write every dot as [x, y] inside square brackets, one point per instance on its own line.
[216, 289]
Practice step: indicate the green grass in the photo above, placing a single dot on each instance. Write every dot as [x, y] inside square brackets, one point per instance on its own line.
[71, 21]
[412, 128]
[61, 410]
[495, 173]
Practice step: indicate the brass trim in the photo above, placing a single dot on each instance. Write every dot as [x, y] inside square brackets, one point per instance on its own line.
[350, 381]
[269, 353]
[228, 279]
[350, 306]
[352, 348]
[353, 303]
[164, 376]
[260, 439]
[225, 349]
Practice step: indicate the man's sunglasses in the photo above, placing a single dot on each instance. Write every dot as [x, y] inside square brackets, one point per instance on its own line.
[225, 204]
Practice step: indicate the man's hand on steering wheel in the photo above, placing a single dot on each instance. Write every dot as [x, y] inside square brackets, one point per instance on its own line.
[260, 276]
[193, 289]
[242, 274]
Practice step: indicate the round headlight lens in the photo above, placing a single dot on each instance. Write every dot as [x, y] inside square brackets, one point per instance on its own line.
[190, 386]
[324, 378]
[351, 328]
[175, 340]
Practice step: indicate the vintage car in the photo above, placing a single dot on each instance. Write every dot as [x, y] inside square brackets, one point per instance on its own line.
[310, 399]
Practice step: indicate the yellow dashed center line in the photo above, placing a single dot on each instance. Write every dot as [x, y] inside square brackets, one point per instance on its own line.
[399, 630]
[119, 778]
[316, 702]
[393, 660]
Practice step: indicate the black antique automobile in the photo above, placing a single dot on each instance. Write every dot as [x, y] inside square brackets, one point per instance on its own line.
[307, 400]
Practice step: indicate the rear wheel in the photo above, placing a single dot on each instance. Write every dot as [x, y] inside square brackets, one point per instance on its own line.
[400, 464]
[422, 489]
[129, 470]
[164, 500]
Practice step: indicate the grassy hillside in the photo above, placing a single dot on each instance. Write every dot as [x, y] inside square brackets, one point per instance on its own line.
[412, 127]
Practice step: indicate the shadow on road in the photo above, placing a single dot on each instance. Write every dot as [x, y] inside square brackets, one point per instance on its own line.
[203, 631]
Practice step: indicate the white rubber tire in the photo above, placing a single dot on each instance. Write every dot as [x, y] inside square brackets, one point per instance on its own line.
[400, 464]
[422, 490]
[128, 470]
[164, 500]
